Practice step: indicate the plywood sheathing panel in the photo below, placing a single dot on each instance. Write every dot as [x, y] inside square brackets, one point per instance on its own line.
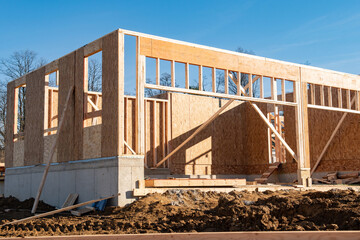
[65, 149]
[210, 58]
[18, 153]
[9, 128]
[34, 117]
[92, 142]
[79, 104]
[48, 142]
[216, 149]
[112, 133]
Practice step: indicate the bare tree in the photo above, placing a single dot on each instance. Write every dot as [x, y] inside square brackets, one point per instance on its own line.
[165, 80]
[13, 67]
[95, 75]
[244, 79]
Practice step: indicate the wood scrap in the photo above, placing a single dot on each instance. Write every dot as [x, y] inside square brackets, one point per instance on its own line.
[82, 211]
[57, 211]
[70, 200]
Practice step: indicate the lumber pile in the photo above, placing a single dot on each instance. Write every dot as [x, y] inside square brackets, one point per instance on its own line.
[336, 178]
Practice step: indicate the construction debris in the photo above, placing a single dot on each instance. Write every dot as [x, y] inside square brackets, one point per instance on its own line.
[336, 178]
[196, 211]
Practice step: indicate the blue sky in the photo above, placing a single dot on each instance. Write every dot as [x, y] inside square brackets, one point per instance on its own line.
[325, 33]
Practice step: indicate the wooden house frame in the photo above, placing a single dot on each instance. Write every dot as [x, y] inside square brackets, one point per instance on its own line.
[313, 88]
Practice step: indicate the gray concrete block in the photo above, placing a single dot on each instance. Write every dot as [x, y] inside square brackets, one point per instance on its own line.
[66, 185]
[85, 184]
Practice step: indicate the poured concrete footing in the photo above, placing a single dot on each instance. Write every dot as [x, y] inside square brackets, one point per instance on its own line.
[91, 179]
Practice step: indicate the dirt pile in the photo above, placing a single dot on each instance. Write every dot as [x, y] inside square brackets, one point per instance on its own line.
[186, 211]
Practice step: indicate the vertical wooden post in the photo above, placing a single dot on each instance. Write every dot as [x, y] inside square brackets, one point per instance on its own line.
[154, 143]
[172, 72]
[226, 79]
[140, 92]
[261, 87]
[302, 133]
[200, 78]
[46, 103]
[283, 92]
[238, 83]
[329, 97]
[187, 75]
[112, 128]
[157, 71]
[11, 124]
[322, 95]
[250, 85]
[213, 75]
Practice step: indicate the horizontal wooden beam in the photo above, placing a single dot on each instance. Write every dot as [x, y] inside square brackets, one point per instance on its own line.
[93, 114]
[219, 95]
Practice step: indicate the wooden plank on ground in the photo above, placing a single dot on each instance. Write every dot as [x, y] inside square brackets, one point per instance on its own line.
[194, 182]
[34, 117]
[70, 200]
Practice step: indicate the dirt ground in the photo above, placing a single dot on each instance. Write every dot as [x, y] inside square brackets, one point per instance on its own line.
[189, 211]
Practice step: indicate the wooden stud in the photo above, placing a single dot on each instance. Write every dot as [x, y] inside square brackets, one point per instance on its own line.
[173, 73]
[157, 71]
[330, 102]
[322, 95]
[187, 75]
[273, 88]
[339, 95]
[16, 110]
[11, 124]
[34, 117]
[348, 100]
[269, 140]
[250, 85]
[168, 129]
[261, 87]
[302, 134]
[200, 78]
[357, 101]
[125, 122]
[238, 84]
[154, 143]
[213, 75]
[226, 79]
[112, 133]
[312, 90]
[46, 102]
[283, 92]
[140, 91]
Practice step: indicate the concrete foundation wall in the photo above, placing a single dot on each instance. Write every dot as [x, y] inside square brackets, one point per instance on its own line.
[91, 179]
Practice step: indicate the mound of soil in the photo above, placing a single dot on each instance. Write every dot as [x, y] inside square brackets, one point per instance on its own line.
[188, 211]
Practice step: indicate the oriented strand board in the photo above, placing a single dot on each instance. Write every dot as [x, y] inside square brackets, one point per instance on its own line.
[9, 128]
[112, 133]
[79, 104]
[18, 153]
[48, 142]
[65, 149]
[92, 142]
[34, 117]
[211, 58]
